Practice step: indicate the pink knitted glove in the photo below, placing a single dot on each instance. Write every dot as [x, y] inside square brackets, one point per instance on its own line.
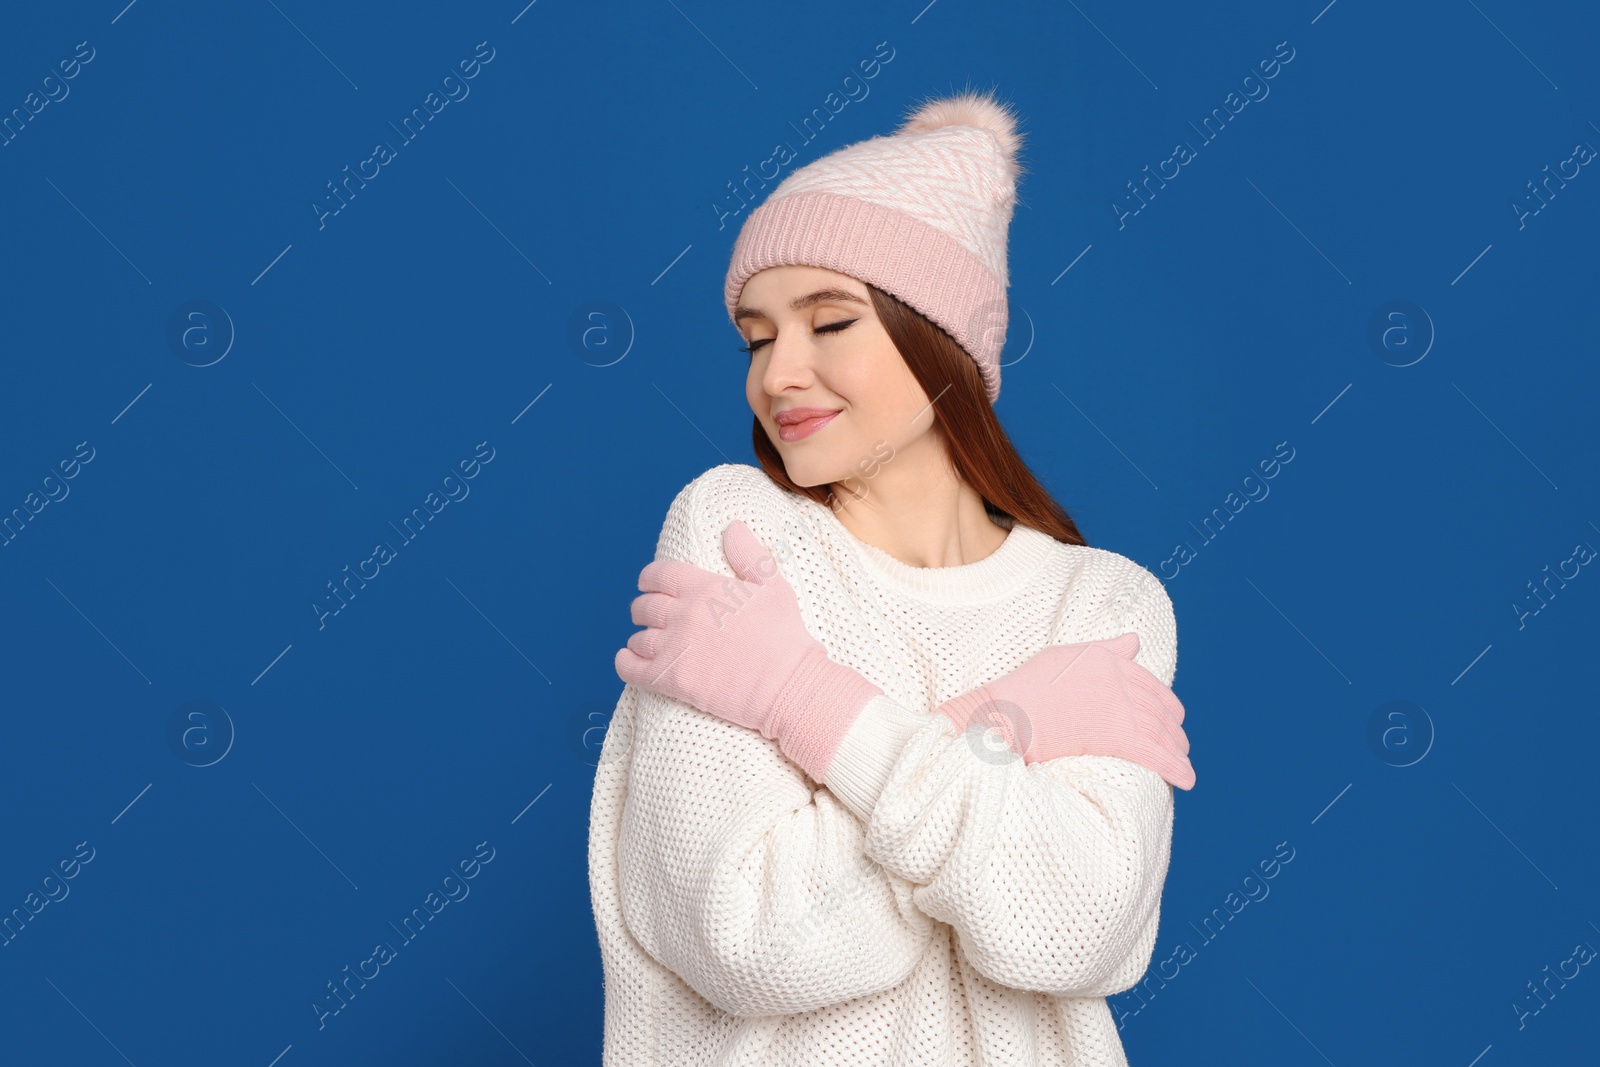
[740, 651]
[1087, 699]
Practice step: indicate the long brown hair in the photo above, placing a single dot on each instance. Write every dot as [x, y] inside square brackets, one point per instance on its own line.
[977, 445]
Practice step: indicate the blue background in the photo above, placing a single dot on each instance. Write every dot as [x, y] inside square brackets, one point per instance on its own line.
[1441, 858]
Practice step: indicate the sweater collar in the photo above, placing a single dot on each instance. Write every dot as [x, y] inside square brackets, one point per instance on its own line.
[997, 575]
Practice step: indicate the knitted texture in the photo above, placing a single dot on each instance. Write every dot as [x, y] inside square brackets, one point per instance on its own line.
[834, 694]
[1085, 699]
[922, 213]
[741, 651]
[933, 901]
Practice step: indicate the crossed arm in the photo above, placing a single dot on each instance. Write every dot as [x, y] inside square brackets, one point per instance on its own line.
[771, 894]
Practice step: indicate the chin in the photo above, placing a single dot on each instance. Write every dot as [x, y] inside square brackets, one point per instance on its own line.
[805, 473]
[810, 470]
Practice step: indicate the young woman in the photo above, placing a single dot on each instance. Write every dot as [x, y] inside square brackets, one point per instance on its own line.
[888, 782]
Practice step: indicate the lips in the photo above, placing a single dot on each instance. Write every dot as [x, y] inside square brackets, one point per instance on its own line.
[796, 424]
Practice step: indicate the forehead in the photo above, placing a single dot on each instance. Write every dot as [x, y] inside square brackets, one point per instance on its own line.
[795, 288]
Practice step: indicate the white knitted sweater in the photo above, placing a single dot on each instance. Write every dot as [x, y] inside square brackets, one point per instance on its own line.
[932, 902]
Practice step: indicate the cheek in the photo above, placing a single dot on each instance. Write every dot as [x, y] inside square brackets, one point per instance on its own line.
[759, 402]
[896, 423]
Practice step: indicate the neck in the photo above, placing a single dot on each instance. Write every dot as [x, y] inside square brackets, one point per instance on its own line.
[918, 510]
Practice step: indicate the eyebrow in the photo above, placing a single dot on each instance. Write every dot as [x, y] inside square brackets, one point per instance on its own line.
[821, 296]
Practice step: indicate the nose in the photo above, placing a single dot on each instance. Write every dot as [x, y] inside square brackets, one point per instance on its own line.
[788, 363]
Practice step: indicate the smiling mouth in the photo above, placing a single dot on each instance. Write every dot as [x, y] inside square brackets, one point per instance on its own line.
[799, 431]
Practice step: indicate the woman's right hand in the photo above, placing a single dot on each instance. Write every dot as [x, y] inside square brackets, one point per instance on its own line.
[1086, 699]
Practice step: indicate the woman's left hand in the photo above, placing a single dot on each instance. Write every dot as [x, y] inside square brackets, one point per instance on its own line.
[738, 649]
[725, 645]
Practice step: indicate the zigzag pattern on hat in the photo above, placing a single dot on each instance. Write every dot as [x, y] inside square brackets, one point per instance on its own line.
[952, 164]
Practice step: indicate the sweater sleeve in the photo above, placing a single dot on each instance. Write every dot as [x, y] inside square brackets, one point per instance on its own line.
[739, 874]
[1050, 873]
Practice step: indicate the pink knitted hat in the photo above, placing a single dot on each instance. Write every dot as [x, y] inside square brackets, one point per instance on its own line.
[921, 213]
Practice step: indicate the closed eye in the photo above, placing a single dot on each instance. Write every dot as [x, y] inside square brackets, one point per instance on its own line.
[832, 327]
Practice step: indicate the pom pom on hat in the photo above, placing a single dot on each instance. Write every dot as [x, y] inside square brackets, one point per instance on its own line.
[922, 213]
[971, 109]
